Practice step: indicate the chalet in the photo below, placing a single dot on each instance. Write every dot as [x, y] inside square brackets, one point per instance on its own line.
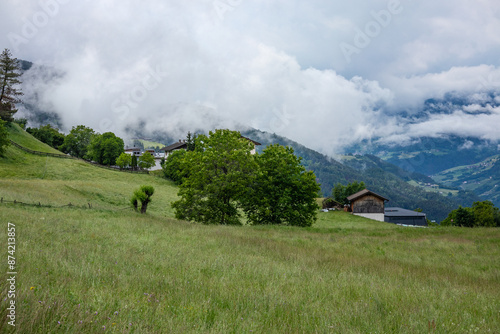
[181, 145]
[367, 204]
[405, 217]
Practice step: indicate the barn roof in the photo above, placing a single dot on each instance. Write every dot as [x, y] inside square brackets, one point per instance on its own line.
[365, 192]
[399, 212]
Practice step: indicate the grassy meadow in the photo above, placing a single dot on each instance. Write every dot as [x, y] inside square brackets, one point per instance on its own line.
[109, 269]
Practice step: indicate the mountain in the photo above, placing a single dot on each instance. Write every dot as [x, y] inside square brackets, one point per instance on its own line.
[379, 176]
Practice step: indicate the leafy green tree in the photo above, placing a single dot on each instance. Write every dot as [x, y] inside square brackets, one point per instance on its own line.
[282, 191]
[77, 142]
[47, 134]
[106, 148]
[219, 172]
[146, 161]
[464, 217]
[173, 166]
[341, 192]
[485, 213]
[9, 74]
[124, 160]
[4, 137]
[142, 195]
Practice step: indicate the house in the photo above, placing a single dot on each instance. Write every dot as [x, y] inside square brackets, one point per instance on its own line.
[133, 151]
[368, 204]
[401, 216]
[181, 145]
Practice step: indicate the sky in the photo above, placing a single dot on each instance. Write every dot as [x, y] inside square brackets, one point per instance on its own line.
[324, 73]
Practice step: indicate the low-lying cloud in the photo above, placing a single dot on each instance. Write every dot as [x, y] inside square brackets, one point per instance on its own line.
[173, 67]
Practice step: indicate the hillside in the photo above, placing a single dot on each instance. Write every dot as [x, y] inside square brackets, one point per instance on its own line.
[482, 178]
[379, 176]
[109, 269]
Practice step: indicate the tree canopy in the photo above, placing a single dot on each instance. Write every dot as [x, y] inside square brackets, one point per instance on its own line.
[106, 148]
[77, 142]
[341, 192]
[47, 134]
[9, 93]
[146, 160]
[124, 160]
[282, 191]
[221, 180]
[481, 214]
[219, 172]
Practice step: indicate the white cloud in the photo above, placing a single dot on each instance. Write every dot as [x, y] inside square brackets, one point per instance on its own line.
[273, 65]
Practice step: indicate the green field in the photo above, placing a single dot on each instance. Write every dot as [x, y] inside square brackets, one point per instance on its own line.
[108, 269]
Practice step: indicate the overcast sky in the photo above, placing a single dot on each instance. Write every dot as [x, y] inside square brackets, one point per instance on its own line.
[324, 73]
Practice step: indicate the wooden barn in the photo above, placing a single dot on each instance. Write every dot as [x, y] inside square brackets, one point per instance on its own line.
[367, 204]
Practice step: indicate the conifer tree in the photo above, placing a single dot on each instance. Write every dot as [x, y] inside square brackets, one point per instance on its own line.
[9, 74]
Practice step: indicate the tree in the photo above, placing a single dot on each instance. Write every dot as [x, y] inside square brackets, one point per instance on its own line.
[133, 164]
[190, 142]
[143, 195]
[47, 134]
[172, 168]
[341, 192]
[124, 160]
[146, 161]
[485, 213]
[77, 142]
[4, 137]
[282, 191]
[106, 148]
[219, 172]
[9, 94]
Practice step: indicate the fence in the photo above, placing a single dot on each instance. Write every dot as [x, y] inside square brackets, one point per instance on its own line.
[64, 156]
[40, 205]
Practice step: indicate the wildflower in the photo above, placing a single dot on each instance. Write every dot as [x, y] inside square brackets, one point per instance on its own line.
[32, 288]
[59, 322]
[114, 323]
[95, 312]
[116, 313]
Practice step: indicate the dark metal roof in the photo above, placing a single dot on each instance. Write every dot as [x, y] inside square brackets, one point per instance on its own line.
[365, 192]
[175, 146]
[399, 212]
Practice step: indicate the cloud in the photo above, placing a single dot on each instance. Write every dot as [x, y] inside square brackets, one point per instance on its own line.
[175, 66]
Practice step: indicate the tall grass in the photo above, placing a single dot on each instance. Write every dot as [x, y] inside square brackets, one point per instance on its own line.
[113, 270]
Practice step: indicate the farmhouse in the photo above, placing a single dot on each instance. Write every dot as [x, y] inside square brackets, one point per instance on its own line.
[367, 204]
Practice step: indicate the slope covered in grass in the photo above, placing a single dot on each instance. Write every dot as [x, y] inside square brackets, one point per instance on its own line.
[112, 270]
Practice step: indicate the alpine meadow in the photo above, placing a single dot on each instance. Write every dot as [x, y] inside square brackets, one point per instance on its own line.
[98, 266]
